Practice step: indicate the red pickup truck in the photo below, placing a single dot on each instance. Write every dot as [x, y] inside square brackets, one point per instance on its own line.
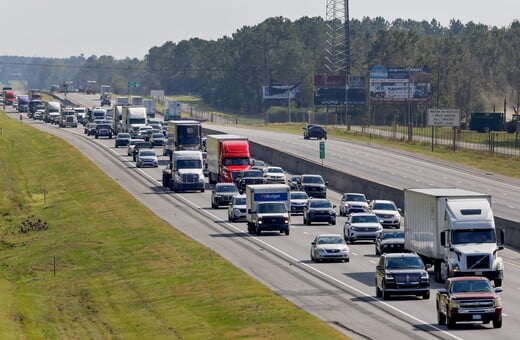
[469, 298]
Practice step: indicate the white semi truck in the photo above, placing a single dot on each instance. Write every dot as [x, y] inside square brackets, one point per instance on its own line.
[184, 172]
[268, 208]
[454, 230]
[133, 117]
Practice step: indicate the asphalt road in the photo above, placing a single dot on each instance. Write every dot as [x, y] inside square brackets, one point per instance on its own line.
[341, 294]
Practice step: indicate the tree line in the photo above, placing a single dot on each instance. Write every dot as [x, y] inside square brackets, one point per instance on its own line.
[475, 67]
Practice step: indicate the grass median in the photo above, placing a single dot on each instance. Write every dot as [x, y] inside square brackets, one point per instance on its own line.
[81, 258]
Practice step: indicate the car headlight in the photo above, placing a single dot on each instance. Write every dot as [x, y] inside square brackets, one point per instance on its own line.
[498, 302]
[454, 304]
[500, 265]
[456, 267]
[424, 275]
[389, 277]
[345, 249]
[321, 250]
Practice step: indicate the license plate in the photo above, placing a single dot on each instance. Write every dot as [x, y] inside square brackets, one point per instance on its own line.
[478, 273]
[476, 317]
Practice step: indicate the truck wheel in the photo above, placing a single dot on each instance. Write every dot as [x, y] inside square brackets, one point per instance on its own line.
[497, 323]
[386, 296]
[286, 232]
[498, 282]
[437, 272]
[426, 296]
[202, 190]
[249, 228]
[379, 293]
[258, 231]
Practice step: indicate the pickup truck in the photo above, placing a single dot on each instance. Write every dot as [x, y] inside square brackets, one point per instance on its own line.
[469, 298]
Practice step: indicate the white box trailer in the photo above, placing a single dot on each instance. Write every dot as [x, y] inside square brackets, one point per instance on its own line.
[454, 230]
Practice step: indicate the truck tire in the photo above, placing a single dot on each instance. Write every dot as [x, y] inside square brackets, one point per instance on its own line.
[498, 282]
[437, 271]
[286, 232]
[441, 318]
[249, 227]
[450, 322]
[258, 231]
[497, 323]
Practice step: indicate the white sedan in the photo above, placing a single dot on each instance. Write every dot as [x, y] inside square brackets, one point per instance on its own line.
[329, 247]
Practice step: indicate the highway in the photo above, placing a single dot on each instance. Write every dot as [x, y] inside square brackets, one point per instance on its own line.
[342, 294]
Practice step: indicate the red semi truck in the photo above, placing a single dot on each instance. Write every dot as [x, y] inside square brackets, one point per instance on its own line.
[9, 97]
[226, 154]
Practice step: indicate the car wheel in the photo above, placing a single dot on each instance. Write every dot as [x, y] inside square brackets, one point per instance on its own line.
[304, 220]
[230, 219]
[450, 322]
[379, 293]
[377, 250]
[313, 259]
[386, 296]
[258, 231]
[333, 222]
[441, 318]
[286, 232]
[213, 205]
[426, 296]
[497, 323]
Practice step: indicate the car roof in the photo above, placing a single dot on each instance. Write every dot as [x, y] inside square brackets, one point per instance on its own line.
[362, 214]
[468, 278]
[329, 235]
[410, 254]
[382, 201]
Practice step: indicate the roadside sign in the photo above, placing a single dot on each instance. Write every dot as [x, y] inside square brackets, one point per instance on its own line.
[132, 84]
[322, 150]
[443, 117]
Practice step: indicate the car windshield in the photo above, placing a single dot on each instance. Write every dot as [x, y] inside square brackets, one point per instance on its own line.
[312, 179]
[227, 188]
[240, 201]
[320, 204]
[252, 174]
[394, 234]
[354, 198]
[330, 240]
[405, 262]
[473, 236]
[365, 219]
[147, 153]
[384, 206]
[275, 170]
[123, 135]
[299, 196]
[271, 208]
[158, 136]
[471, 286]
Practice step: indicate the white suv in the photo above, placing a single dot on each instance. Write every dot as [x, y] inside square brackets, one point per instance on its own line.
[387, 212]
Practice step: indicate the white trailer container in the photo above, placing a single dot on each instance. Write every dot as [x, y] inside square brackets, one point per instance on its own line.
[268, 207]
[454, 230]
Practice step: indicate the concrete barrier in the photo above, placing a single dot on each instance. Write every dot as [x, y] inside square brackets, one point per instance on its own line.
[340, 181]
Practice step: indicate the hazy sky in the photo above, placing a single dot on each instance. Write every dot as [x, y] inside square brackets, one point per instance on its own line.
[123, 28]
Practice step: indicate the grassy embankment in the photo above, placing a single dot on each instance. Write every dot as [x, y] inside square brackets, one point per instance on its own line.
[120, 272]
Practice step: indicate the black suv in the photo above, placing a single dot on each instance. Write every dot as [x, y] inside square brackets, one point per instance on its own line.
[401, 274]
[104, 130]
[246, 177]
[222, 194]
[314, 131]
[313, 185]
[319, 210]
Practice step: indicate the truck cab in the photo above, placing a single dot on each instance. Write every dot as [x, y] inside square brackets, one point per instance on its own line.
[268, 208]
[184, 172]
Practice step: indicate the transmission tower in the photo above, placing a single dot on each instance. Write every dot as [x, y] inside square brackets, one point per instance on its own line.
[338, 42]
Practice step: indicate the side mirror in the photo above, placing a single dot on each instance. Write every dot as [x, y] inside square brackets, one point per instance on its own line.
[313, 243]
[443, 291]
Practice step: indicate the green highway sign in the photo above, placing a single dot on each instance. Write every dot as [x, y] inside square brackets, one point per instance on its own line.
[322, 150]
[132, 84]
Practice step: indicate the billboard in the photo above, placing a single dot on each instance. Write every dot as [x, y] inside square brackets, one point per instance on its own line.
[330, 89]
[400, 84]
[281, 91]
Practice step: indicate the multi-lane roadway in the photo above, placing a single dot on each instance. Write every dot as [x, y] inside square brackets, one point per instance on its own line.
[341, 294]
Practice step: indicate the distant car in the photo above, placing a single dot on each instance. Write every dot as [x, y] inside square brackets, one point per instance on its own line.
[329, 247]
[388, 213]
[157, 139]
[103, 130]
[298, 201]
[222, 194]
[274, 174]
[131, 145]
[258, 164]
[389, 241]
[143, 132]
[313, 185]
[90, 129]
[237, 209]
[122, 139]
[401, 274]
[469, 299]
[293, 182]
[247, 177]
[138, 146]
[314, 131]
[353, 202]
[361, 226]
[319, 210]
[146, 158]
